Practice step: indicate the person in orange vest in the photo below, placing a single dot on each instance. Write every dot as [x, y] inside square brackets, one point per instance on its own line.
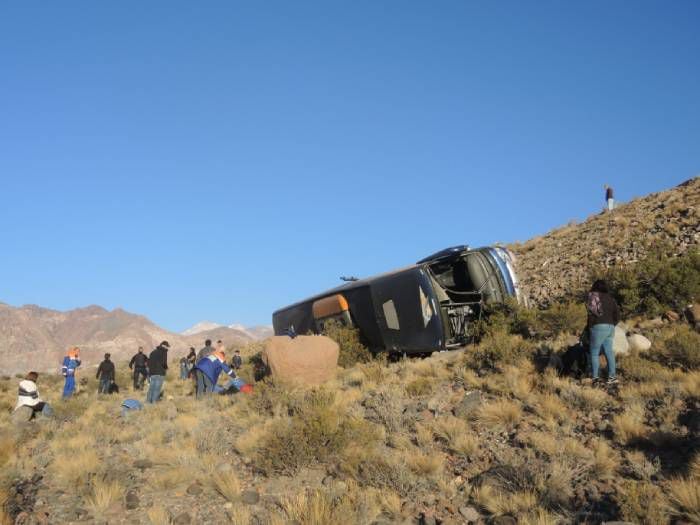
[71, 362]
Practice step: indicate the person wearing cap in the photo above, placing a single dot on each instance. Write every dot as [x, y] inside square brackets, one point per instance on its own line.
[207, 371]
[71, 362]
[105, 373]
[29, 396]
[157, 366]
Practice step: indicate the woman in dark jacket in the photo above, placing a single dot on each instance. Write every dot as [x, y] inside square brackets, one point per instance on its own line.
[603, 315]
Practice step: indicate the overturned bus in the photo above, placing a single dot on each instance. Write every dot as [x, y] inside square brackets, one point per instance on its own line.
[429, 306]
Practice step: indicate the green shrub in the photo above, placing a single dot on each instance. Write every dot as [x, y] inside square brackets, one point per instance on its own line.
[681, 348]
[352, 351]
[316, 431]
[562, 318]
[656, 284]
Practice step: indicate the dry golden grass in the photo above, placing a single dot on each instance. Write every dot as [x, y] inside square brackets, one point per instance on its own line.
[500, 415]
[170, 478]
[318, 508]
[425, 464]
[604, 461]
[685, 499]
[158, 515]
[228, 485]
[103, 495]
[629, 426]
[74, 471]
[497, 502]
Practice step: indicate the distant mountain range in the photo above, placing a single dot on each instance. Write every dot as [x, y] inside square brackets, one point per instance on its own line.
[36, 338]
[255, 332]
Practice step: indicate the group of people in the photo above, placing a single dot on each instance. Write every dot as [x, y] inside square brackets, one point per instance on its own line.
[203, 367]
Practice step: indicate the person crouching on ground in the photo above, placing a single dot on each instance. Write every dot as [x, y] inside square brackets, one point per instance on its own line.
[207, 371]
[105, 373]
[157, 366]
[603, 315]
[29, 396]
[71, 362]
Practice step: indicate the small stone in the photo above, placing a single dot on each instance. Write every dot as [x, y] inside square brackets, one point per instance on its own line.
[426, 519]
[195, 489]
[470, 514]
[672, 316]
[469, 403]
[327, 480]
[250, 497]
[182, 519]
[131, 501]
[228, 505]
[143, 464]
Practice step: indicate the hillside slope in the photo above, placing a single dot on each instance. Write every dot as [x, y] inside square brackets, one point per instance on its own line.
[560, 262]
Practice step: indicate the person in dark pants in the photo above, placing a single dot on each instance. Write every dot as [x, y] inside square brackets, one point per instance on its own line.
[603, 315]
[29, 396]
[237, 362]
[139, 364]
[207, 373]
[191, 358]
[105, 373]
[157, 367]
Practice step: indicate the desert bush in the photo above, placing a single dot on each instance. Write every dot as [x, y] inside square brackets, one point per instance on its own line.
[680, 348]
[500, 415]
[380, 468]
[497, 349]
[421, 386]
[656, 283]
[103, 494]
[685, 499]
[637, 368]
[320, 508]
[562, 318]
[316, 431]
[352, 351]
[642, 502]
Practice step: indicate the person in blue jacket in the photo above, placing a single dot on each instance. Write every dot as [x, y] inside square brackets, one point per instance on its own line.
[71, 362]
[207, 371]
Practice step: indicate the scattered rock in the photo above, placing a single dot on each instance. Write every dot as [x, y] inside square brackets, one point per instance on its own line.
[426, 519]
[470, 514]
[327, 480]
[195, 489]
[182, 519]
[672, 316]
[131, 500]
[469, 403]
[620, 344]
[638, 343]
[692, 313]
[250, 497]
[143, 464]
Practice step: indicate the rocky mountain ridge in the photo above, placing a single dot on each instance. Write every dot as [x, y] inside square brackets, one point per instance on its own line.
[32, 337]
[559, 263]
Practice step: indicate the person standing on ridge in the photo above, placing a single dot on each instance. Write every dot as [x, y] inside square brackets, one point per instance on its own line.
[71, 362]
[204, 352]
[609, 198]
[105, 373]
[157, 366]
[139, 364]
[603, 315]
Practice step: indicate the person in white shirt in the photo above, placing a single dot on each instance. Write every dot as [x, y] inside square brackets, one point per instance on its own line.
[29, 395]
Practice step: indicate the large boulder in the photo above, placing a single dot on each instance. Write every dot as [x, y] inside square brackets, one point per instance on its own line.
[305, 359]
[620, 344]
[638, 343]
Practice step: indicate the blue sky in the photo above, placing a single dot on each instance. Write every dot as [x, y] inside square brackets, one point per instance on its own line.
[218, 160]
